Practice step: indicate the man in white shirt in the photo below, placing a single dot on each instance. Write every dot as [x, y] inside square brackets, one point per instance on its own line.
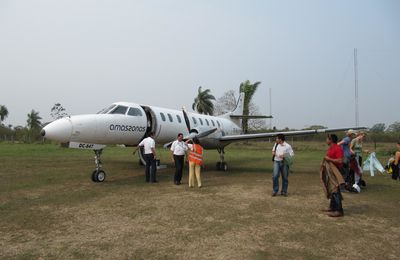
[280, 150]
[178, 151]
[150, 157]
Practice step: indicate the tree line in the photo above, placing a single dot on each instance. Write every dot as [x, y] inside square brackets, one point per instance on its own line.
[204, 103]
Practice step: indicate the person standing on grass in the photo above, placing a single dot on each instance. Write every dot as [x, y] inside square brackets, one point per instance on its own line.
[396, 168]
[345, 144]
[195, 162]
[178, 151]
[150, 157]
[280, 150]
[356, 149]
[331, 176]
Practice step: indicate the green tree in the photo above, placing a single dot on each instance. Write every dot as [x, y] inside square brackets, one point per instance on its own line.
[34, 120]
[249, 90]
[378, 128]
[394, 128]
[203, 102]
[34, 125]
[3, 113]
[58, 111]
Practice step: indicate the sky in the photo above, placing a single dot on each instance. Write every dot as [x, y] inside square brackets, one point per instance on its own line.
[89, 54]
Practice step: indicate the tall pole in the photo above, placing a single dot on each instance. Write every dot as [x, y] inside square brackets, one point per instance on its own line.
[270, 108]
[356, 86]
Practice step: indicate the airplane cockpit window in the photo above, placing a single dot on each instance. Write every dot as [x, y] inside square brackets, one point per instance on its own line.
[201, 121]
[179, 118]
[162, 116]
[120, 110]
[212, 122]
[133, 111]
[207, 122]
[194, 120]
[218, 124]
[106, 110]
[170, 118]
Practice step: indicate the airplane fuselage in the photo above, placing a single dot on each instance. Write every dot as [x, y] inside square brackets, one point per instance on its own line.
[128, 123]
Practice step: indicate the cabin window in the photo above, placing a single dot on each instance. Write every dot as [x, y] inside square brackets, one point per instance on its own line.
[212, 122]
[194, 120]
[207, 122]
[133, 111]
[170, 118]
[162, 116]
[201, 121]
[119, 110]
[219, 125]
[179, 118]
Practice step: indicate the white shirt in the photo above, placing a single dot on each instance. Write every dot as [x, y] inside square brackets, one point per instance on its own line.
[179, 147]
[148, 143]
[283, 149]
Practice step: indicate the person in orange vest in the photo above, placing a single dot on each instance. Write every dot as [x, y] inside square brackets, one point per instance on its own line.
[195, 161]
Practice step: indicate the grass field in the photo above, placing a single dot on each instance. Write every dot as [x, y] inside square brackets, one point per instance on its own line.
[49, 208]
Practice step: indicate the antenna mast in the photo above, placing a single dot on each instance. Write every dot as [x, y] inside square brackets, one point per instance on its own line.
[356, 86]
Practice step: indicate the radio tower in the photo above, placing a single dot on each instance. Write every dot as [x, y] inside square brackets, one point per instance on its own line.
[356, 86]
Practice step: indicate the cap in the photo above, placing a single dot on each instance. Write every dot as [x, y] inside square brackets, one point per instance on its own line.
[350, 132]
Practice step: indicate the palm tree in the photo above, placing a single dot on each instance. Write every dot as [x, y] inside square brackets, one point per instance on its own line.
[249, 90]
[3, 113]
[34, 120]
[202, 103]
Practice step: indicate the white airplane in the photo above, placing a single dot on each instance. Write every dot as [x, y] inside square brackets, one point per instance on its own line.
[129, 123]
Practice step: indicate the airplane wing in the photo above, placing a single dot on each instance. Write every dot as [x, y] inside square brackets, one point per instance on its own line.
[258, 136]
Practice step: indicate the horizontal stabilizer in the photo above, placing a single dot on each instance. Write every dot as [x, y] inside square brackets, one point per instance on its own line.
[248, 117]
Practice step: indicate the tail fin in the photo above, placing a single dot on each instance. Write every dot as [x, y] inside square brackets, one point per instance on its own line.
[239, 105]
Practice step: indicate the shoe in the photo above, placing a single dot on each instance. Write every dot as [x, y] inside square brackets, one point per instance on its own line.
[335, 214]
[200, 187]
[283, 194]
[154, 181]
[326, 210]
[274, 194]
[191, 186]
[178, 183]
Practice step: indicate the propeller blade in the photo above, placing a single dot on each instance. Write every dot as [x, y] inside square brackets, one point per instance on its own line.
[185, 116]
[206, 133]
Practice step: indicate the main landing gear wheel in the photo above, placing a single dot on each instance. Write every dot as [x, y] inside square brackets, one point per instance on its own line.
[98, 176]
[222, 166]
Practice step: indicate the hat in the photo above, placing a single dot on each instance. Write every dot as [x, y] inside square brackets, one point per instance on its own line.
[350, 132]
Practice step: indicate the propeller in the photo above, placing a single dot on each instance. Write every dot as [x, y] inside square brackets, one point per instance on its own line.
[186, 117]
[192, 132]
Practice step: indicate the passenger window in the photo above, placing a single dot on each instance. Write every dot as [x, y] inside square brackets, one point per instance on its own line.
[179, 118]
[201, 121]
[162, 116]
[218, 124]
[212, 122]
[170, 118]
[119, 110]
[133, 111]
[207, 122]
[194, 121]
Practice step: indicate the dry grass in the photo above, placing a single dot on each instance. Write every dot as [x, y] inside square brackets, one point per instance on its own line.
[49, 208]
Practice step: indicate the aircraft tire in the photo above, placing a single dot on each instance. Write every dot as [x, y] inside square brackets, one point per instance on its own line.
[94, 176]
[218, 166]
[224, 166]
[100, 176]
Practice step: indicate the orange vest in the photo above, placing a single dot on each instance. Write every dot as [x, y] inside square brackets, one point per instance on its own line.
[196, 155]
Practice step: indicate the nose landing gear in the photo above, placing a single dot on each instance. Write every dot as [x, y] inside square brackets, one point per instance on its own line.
[98, 174]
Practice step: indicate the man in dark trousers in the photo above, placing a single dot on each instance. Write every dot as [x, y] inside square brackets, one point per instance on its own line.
[331, 176]
[178, 151]
[150, 157]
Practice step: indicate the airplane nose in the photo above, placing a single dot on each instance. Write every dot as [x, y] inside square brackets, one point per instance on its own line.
[59, 130]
